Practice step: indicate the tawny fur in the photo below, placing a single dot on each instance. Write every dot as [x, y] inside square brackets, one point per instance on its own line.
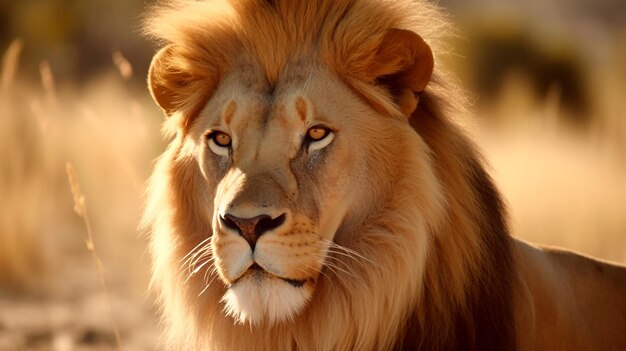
[434, 266]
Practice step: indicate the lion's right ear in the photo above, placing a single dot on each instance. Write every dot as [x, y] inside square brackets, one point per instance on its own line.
[163, 80]
[181, 82]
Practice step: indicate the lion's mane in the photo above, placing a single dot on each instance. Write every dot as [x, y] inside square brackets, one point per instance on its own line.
[463, 299]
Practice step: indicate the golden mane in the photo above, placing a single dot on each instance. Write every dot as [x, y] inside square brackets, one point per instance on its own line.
[204, 35]
[465, 299]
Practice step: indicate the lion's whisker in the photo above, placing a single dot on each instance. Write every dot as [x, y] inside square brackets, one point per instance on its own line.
[208, 284]
[343, 262]
[193, 259]
[192, 250]
[342, 270]
[321, 270]
[333, 267]
[343, 254]
[192, 266]
[197, 269]
[204, 255]
[212, 271]
[335, 273]
[205, 288]
[348, 251]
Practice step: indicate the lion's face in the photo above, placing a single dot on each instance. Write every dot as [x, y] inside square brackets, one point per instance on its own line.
[283, 168]
[295, 177]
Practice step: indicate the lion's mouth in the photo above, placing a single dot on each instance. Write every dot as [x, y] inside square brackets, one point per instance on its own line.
[258, 273]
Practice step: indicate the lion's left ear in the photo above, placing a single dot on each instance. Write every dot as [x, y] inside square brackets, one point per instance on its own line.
[403, 64]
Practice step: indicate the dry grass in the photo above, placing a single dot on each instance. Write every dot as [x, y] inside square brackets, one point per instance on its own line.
[49, 292]
[21, 260]
[80, 207]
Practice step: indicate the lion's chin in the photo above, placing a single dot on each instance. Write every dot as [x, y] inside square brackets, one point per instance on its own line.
[260, 297]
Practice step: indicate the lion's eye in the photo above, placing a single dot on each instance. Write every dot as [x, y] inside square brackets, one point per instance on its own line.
[317, 133]
[221, 139]
[319, 137]
[219, 142]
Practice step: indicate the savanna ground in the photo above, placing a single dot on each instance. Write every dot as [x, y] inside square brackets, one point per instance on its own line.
[563, 175]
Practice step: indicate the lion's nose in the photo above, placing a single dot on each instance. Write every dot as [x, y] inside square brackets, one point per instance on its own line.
[252, 228]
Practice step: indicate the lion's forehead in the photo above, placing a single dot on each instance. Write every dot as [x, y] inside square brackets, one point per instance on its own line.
[245, 111]
[247, 104]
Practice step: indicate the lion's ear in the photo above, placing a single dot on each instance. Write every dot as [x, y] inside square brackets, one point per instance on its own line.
[404, 65]
[163, 80]
[182, 82]
[179, 83]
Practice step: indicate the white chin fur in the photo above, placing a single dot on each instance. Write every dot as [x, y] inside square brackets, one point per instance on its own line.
[256, 299]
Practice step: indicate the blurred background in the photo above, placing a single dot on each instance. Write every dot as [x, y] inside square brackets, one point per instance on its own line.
[546, 78]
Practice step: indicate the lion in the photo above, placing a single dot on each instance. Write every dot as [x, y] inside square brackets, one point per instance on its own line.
[318, 193]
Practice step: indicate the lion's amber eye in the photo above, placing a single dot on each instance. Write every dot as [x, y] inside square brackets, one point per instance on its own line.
[319, 137]
[317, 133]
[219, 142]
[220, 138]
